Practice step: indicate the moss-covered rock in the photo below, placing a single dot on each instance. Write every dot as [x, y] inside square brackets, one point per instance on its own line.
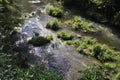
[40, 41]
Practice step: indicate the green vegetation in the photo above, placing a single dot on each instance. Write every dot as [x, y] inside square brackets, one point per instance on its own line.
[40, 41]
[9, 70]
[49, 38]
[107, 56]
[91, 47]
[96, 73]
[98, 10]
[110, 65]
[54, 11]
[64, 35]
[11, 66]
[78, 24]
[53, 24]
[118, 76]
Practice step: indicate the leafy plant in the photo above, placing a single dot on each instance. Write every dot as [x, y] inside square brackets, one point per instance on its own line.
[65, 35]
[79, 24]
[54, 11]
[53, 24]
[95, 73]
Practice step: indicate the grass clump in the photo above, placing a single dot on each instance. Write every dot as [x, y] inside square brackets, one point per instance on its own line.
[40, 41]
[53, 24]
[54, 11]
[78, 24]
[65, 35]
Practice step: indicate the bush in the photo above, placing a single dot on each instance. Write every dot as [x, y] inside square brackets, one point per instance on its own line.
[40, 41]
[54, 11]
[65, 35]
[53, 24]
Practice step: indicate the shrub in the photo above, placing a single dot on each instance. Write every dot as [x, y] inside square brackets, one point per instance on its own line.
[65, 35]
[40, 41]
[54, 11]
[53, 24]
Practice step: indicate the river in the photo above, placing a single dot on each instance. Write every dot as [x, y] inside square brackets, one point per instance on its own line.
[56, 56]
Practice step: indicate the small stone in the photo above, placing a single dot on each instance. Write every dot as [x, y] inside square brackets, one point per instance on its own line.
[79, 36]
[84, 31]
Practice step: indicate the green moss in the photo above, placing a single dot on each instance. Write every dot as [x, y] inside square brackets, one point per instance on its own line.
[54, 11]
[65, 35]
[40, 41]
[53, 24]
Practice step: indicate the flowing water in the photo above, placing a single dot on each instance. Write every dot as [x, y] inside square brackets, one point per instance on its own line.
[55, 56]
